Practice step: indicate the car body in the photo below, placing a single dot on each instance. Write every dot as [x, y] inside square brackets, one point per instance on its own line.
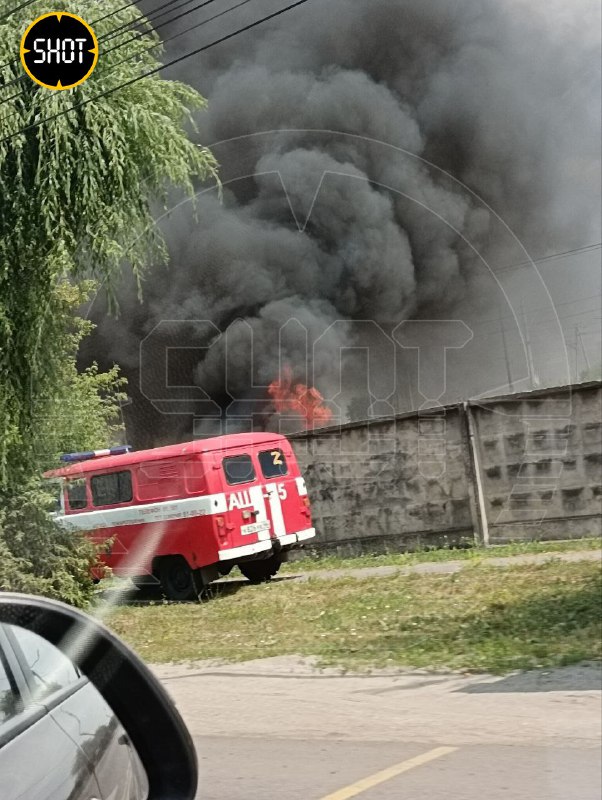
[59, 739]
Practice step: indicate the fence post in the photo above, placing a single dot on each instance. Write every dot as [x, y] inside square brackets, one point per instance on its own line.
[473, 449]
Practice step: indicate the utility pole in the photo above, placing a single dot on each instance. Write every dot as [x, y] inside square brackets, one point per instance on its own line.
[533, 379]
[410, 392]
[583, 350]
[576, 379]
[506, 359]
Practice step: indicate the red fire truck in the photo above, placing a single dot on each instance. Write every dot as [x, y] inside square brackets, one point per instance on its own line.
[185, 514]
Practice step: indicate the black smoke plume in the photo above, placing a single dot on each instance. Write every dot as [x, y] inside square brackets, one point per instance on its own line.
[361, 145]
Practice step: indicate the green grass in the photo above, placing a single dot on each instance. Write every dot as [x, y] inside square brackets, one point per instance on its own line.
[315, 561]
[482, 619]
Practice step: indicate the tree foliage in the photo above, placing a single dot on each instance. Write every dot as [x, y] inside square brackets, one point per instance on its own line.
[38, 557]
[80, 411]
[76, 191]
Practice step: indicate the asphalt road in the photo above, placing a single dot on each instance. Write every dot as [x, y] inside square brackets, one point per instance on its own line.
[248, 769]
[279, 729]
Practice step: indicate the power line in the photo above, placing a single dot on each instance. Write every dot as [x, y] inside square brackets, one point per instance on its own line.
[576, 300]
[132, 39]
[182, 33]
[163, 24]
[151, 17]
[585, 249]
[8, 99]
[225, 38]
[544, 308]
[222, 39]
[15, 9]
[112, 13]
[154, 16]
[92, 24]
[155, 70]
[537, 326]
[122, 28]
[570, 316]
[548, 325]
[139, 35]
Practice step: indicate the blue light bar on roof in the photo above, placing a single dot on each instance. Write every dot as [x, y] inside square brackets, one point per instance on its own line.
[110, 451]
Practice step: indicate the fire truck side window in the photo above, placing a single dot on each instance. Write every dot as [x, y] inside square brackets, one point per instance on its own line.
[159, 480]
[76, 494]
[239, 469]
[108, 490]
[273, 463]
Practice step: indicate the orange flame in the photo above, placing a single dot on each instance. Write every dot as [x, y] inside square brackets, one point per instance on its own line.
[306, 401]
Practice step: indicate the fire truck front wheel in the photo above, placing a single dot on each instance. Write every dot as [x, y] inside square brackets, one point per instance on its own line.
[178, 580]
[261, 570]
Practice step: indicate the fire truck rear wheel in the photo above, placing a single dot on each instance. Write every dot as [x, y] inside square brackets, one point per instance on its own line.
[178, 580]
[262, 570]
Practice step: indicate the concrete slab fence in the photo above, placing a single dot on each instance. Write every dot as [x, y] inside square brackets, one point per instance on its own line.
[515, 467]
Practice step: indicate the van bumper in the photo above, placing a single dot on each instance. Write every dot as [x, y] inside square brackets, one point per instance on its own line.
[260, 547]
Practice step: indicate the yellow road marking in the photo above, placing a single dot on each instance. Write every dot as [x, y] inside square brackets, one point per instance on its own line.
[386, 774]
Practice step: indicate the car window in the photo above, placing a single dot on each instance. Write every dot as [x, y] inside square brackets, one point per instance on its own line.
[116, 487]
[76, 494]
[49, 668]
[10, 701]
[239, 469]
[273, 463]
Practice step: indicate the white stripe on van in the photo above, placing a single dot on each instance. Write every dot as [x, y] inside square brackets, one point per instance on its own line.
[258, 547]
[149, 512]
[276, 509]
[301, 487]
[245, 550]
[256, 495]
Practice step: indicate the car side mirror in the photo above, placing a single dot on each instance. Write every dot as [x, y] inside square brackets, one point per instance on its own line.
[140, 703]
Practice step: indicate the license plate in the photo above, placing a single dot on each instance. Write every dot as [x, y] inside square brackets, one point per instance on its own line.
[255, 527]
